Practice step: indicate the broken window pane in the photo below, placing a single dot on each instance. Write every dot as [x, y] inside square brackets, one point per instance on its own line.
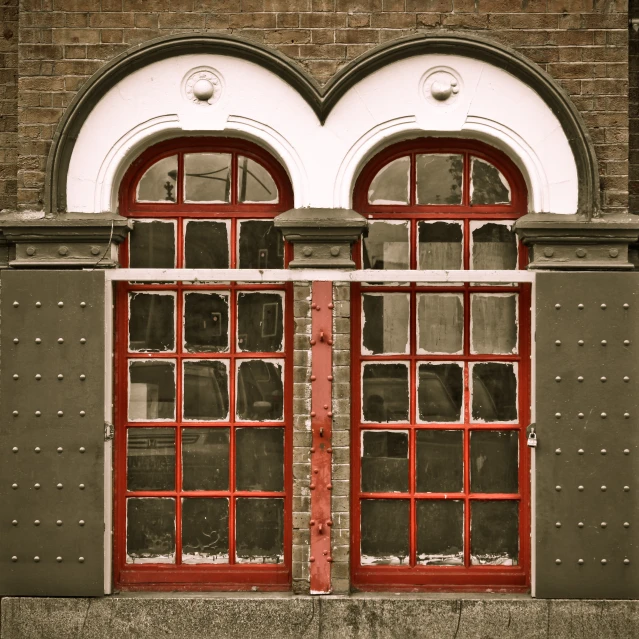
[384, 461]
[260, 394]
[206, 390]
[158, 182]
[385, 392]
[152, 244]
[385, 321]
[206, 322]
[391, 184]
[260, 322]
[385, 245]
[440, 245]
[207, 177]
[206, 244]
[440, 532]
[259, 461]
[152, 322]
[205, 458]
[487, 184]
[151, 390]
[259, 531]
[439, 463]
[261, 245]
[205, 531]
[254, 182]
[150, 531]
[494, 390]
[385, 526]
[439, 178]
[494, 246]
[150, 459]
[494, 533]
[440, 392]
[494, 323]
[494, 461]
[440, 323]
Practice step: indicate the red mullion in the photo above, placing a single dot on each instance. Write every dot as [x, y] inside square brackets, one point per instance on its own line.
[232, 417]
[466, 429]
[204, 493]
[412, 323]
[202, 210]
[178, 414]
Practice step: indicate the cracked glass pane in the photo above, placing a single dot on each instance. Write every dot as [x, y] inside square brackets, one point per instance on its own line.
[254, 182]
[205, 531]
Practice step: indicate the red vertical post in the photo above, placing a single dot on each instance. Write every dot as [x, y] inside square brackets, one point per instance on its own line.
[321, 429]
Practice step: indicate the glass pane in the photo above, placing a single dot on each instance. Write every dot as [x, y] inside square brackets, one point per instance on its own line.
[260, 391]
[205, 459]
[152, 245]
[259, 531]
[206, 390]
[385, 320]
[391, 184]
[207, 177]
[158, 182]
[440, 533]
[494, 461]
[385, 524]
[259, 459]
[440, 461]
[440, 323]
[384, 461]
[150, 531]
[261, 245]
[205, 531]
[494, 389]
[152, 322]
[150, 459]
[385, 392]
[493, 323]
[440, 392]
[206, 322]
[255, 183]
[206, 244]
[151, 390]
[440, 245]
[494, 246]
[386, 245]
[494, 533]
[260, 322]
[439, 178]
[487, 184]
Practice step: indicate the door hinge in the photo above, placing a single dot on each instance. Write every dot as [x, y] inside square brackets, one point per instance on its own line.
[108, 431]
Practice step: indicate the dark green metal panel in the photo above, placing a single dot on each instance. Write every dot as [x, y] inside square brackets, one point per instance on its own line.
[587, 413]
[52, 433]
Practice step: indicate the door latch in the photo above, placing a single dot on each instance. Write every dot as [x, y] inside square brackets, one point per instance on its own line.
[532, 436]
[108, 431]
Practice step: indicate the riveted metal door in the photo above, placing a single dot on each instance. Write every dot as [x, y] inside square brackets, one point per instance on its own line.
[52, 433]
[587, 371]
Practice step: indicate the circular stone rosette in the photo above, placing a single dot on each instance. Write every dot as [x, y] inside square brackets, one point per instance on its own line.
[202, 86]
[441, 86]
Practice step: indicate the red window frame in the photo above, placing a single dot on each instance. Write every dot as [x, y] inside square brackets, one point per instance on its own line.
[231, 576]
[414, 576]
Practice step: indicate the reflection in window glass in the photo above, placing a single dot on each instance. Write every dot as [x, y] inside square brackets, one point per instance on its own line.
[150, 459]
[206, 244]
[259, 533]
[440, 392]
[494, 323]
[494, 390]
[205, 459]
[487, 184]
[440, 322]
[384, 528]
[391, 184]
[494, 246]
[386, 245]
[206, 322]
[152, 244]
[385, 319]
[206, 390]
[158, 183]
[205, 531]
[440, 245]
[255, 183]
[439, 178]
[384, 461]
[207, 177]
[494, 537]
[259, 459]
[439, 464]
[260, 390]
[150, 531]
[494, 461]
[385, 392]
[152, 322]
[260, 245]
[260, 322]
[151, 390]
[440, 532]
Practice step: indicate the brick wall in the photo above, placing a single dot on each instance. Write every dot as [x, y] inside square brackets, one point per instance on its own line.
[633, 112]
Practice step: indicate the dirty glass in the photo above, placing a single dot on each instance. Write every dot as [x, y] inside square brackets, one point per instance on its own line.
[260, 322]
[440, 532]
[440, 392]
[385, 392]
[259, 463]
[494, 461]
[494, 246]
[439, 178]
[158, 182]
[206, 322]
[150, 459]
[384, 530]
[260, 391]
[151, 390]
[207, 177]
[440, 245]
[440, 323]
[494, 391]
[384, 461]
[385, 245]
[150, 530]
[260, 245]
[152, 322]
[205, 531]
[493, 322]
[152, 244]
[487, 184]
[259, 531]
[439, 463]
[206, 390]
[205, 458]
[391, 184]
[385, 323]
[254, 182]
[206, 244]
[494, 533]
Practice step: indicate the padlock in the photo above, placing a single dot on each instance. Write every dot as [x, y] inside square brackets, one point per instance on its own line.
[532, 439]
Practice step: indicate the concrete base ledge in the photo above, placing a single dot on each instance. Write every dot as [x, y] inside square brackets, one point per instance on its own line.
[236, 616]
